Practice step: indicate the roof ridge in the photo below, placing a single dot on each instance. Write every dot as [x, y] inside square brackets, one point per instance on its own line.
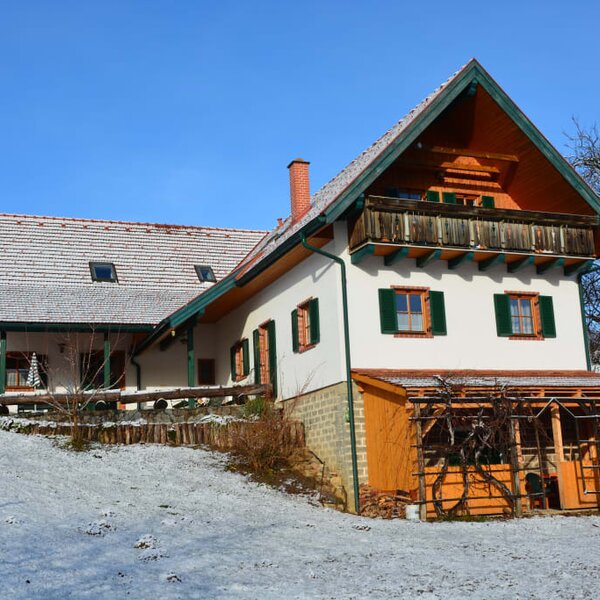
[119, 222]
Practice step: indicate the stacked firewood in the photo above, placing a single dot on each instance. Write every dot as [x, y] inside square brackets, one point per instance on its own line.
[385, 505]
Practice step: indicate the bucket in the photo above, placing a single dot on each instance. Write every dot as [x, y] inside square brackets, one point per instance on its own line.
[412, 512]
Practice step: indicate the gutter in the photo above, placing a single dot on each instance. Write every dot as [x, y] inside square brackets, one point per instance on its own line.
[342, 264]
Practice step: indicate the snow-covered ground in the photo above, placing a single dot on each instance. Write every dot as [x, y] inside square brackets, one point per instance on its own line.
[159, 522]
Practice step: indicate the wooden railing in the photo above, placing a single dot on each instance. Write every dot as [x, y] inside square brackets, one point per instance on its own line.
[413, 222]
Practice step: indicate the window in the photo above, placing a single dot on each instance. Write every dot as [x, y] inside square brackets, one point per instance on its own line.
[240, 360]
[206, 371]
[416, 312]
[265, 355]
[18, 365]
[405, 194]
[305, 325]
[92, 370]
[205, 273]
[524, 315]
[103, 271]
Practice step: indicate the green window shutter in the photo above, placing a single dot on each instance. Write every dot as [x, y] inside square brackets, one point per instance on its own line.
[547, 317]
[272, 355]
[437, 309]
[433, 196]
[387, 311]
[256, 345]
[246, 355]
[503, 319]
[313, 316]
[232, 357]
[449, 197]
[295, 342]
[487, 202]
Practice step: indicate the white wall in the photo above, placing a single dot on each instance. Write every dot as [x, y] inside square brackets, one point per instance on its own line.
[471, 341]
[316, 368]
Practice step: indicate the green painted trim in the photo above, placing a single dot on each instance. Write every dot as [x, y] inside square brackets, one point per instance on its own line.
[423, 261]
[106, 364]
[586, 337]
[472, 73]
[551, 264]
[191, 363]
[519, 264]
[357, 257]
[395, 256]
[455, 262]
[75, 327]
[488, 263]
[577, 268]
[348, 362]
[2, 362]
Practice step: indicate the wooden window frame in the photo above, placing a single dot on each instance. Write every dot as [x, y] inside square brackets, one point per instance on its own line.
[263, 348]
[426, 314]
[26, 357]
[238, 349]
[533, 297]
[304, 326]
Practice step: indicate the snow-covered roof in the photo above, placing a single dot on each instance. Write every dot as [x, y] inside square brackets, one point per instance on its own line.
[45, 273]
[484, 379]
[332, 190]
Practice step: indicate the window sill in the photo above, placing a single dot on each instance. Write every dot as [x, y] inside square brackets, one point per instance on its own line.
[530, 338]
[240, 378]
[302, 349]
[413, 334]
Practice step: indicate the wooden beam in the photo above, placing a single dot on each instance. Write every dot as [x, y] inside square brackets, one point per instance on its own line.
[135, 397]
[423, 261]
[555, 262]
[357, 256]
[395, 256]
[2, 361]
[474, 153]
[577, 268]
[520, 263]
[488, 263]
[191, 363]
[557, 433]
[455, 262]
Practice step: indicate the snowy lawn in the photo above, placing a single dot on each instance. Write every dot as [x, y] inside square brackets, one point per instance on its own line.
[158, 522]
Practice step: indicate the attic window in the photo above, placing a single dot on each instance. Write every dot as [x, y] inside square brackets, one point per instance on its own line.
[103, 271]
[205, 273]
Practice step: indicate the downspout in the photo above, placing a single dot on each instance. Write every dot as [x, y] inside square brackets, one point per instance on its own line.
[342, 264]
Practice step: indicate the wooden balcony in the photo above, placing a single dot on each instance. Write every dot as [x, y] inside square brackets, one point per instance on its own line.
[396, 228]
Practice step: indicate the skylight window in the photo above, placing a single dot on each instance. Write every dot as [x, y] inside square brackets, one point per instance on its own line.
[205, 273]
[103, 271]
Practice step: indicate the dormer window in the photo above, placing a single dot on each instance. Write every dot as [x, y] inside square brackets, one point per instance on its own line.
[103, 271]
[205, 273]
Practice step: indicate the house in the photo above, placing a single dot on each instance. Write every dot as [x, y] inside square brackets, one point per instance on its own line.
[421, 313]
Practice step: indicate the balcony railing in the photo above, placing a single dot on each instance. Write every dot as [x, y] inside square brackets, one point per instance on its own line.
[417, 223]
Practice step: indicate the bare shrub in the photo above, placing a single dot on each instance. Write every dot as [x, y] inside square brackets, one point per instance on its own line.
[266, 442]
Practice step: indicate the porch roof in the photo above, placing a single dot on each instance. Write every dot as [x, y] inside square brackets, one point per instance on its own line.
[432, 378]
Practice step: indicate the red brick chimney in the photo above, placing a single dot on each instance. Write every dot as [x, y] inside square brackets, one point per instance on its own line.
[299, 188]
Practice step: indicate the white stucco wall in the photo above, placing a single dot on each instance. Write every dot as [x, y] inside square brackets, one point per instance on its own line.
[297, 373]
[471, 341]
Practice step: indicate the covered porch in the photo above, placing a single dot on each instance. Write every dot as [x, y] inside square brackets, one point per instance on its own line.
[481, 443]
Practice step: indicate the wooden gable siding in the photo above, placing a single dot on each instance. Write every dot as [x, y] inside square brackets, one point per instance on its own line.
[474, 131]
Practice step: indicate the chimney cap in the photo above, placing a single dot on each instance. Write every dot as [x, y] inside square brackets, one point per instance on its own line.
[298, 160]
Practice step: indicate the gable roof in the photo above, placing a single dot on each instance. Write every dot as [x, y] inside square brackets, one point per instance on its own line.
[338, 195]
[45, 274]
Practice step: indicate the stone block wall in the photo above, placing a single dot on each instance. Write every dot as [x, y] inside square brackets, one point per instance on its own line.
[324, 414]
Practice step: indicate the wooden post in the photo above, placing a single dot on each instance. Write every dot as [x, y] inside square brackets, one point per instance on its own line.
[516, 464]
[557, 433]
[2, 362]
[191, 363]
[420, 463]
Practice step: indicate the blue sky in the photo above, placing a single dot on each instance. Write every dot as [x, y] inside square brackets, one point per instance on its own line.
[189, 111]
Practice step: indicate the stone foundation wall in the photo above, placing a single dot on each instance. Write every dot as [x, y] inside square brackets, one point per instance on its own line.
[324, 414]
